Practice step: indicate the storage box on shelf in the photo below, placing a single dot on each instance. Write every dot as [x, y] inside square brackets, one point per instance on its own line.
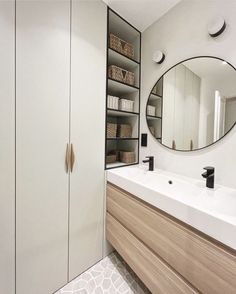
[121, 46]
[124, 131]
[127, 157]
[151, 110]
[110, 158]
[126, 105]
[121, 75]
[112, 102]
[111, 130]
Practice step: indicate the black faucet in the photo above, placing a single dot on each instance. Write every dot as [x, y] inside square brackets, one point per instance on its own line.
[209, 175]
[150, 160]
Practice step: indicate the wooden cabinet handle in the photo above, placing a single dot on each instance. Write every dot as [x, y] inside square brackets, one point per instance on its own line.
[67, 159]
[191, 145]
[72, 158]
[173, 145]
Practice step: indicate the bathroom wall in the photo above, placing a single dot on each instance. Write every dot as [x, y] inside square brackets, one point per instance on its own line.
[226, 87]
[181, 34]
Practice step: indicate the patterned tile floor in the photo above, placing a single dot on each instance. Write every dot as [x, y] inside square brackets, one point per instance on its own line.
[110, 276]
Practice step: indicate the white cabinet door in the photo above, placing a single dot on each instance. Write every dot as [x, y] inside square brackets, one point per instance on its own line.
[179, 106]
[7, 147]
[196, 110]
[168, 108]
[42, 94]
[87, 134]
[187, 114]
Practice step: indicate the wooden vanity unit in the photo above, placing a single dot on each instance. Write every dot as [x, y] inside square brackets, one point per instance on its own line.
[167, 255]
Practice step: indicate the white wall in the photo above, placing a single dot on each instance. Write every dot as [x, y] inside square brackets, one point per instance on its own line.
[181, 34]
[226, 87]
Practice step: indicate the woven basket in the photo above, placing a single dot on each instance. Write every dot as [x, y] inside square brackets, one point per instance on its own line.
[121, 46]
[111, 158]
[111, 130]
[121, 75]
[127, 156]
[124, 131]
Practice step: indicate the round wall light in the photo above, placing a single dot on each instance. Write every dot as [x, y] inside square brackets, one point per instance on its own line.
[158, 57]
[216, 27]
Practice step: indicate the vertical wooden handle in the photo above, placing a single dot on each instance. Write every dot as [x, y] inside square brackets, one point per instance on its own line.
[191, 145]
[67, 159]
[173, 145]
[72, 158]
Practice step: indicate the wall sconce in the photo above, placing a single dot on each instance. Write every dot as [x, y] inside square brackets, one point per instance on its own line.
[158, 57]
[216, 27]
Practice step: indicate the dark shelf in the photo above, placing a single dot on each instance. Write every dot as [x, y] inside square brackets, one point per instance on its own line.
[118, 139]
[121, 165]
[133, 60]
[154, 117]
[121, 112]
[158, 96]
[154, 97]
[128, 85]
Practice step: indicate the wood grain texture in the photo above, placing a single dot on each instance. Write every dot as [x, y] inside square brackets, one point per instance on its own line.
[158, 277]
[208, 267]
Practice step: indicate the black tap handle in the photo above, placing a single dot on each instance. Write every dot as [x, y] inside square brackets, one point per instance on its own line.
[209, 168]
[204, 175]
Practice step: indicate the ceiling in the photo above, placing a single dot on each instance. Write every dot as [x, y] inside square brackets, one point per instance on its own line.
[141, 13]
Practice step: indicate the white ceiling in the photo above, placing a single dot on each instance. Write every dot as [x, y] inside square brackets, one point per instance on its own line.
[141, 13]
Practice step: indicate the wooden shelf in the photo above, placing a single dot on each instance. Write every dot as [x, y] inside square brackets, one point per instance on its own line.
[114, 112]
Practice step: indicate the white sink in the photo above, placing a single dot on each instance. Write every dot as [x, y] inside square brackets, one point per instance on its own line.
[212, 211]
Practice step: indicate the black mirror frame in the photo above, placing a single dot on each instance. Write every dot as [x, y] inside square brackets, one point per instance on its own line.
[179, 150]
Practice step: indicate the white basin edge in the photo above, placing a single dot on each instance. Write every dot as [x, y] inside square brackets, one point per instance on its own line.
[212, 225]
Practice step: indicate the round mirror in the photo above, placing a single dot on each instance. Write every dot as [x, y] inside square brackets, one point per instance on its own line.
[193, 104]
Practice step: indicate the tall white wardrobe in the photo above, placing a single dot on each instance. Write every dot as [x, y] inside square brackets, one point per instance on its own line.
[180, 117]
[52, 134]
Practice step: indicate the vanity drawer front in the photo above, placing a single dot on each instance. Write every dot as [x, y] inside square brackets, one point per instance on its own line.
[158, 276]
[206, 265]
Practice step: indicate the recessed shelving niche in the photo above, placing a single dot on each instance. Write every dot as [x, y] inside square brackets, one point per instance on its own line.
[155, 121]
[126, 32]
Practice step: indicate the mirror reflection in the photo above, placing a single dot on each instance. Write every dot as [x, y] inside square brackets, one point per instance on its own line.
[193, 104]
